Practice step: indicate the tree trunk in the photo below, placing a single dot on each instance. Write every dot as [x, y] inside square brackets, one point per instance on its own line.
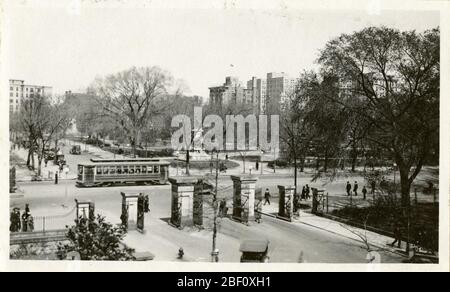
[405, 186]
[39, 173]
[295, 175]
[188, 160]
[325, 165]
[32, 160]
[29, 157]
[354, 159]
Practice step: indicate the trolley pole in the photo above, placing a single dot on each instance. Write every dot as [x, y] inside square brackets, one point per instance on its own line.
[215, 252]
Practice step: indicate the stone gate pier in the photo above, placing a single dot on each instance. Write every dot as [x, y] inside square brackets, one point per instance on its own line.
[244, 198]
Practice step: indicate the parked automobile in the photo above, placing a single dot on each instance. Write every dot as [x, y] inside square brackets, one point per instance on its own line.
[254, 251]
[49, 155]
[60, 159]
[76, 150]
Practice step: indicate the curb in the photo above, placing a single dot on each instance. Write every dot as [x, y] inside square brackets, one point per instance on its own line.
[47, 180]
[338, 234]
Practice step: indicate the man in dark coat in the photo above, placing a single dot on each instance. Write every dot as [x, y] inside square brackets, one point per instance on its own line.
[355, 188]
[267, 197]
[349, 189]
[308, 192]
[364, 191]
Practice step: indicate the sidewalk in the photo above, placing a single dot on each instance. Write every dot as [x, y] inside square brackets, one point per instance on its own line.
[47, 172]
[377, 241]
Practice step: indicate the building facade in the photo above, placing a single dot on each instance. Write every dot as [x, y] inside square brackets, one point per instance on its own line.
[265, 96]
[19, 92]
[231, 91]
[278, 88]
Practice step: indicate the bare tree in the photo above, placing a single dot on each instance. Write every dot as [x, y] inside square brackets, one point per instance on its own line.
[43, 120]
[132, 97]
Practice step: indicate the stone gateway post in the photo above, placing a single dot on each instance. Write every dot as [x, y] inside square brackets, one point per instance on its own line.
[286, 202]
[182, 207]
[244, 198]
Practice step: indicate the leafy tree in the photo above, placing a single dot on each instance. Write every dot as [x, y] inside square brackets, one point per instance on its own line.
[396, 77]
[96, 240]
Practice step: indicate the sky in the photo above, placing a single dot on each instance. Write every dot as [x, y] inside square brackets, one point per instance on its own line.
[66, 47]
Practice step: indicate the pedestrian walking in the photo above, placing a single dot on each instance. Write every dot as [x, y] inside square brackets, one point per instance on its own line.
[221, 207]
[18, 225]
[373, 186]
[46, 161]
[66, 171]
[308, 192]
[56, 178]
[267, 197]
[397, 235]
[24, 222]
[364, 191]
[30, 222]
[303, 197]
[349, 189]
[355, 188]
[14, 221]
[257, 165]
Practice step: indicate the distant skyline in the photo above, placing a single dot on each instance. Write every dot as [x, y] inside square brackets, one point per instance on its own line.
[50, 46]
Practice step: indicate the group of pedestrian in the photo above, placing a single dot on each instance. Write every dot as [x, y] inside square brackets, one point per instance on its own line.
[24, 222]
[355, 188]
[306, 193]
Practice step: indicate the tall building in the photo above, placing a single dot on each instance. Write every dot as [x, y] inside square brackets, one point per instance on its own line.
[265, 96]
[279, 86]
[231, 91]
[19, 92]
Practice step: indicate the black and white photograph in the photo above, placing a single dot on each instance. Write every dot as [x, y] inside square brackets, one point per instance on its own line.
[262, 134]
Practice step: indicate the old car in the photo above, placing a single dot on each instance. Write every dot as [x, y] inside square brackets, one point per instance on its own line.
[254, 251]
[76, 150]
[60, 159]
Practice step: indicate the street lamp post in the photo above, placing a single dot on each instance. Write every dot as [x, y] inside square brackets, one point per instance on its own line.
[215, 251]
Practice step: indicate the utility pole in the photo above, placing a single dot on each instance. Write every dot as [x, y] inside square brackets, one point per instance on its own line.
[215, 251]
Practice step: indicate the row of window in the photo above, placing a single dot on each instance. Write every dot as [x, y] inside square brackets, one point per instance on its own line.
[21, 95]
[21, 89]
[120, 170]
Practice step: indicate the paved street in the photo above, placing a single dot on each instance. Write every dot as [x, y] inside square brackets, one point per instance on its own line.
[287, 240]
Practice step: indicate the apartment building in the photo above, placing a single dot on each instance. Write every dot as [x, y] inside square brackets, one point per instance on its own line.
[19, 92]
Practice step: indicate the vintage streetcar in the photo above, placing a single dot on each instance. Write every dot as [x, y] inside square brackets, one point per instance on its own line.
[105, 172]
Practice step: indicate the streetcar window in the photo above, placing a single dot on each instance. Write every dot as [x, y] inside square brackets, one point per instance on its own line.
[80, 169]
[138, 169]
[150, 169]
[144, 169]
[119, 169]
[156, 169]
[99, 170]
[131, 169]
[105, 170]
[125, 170]
[112, 170]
